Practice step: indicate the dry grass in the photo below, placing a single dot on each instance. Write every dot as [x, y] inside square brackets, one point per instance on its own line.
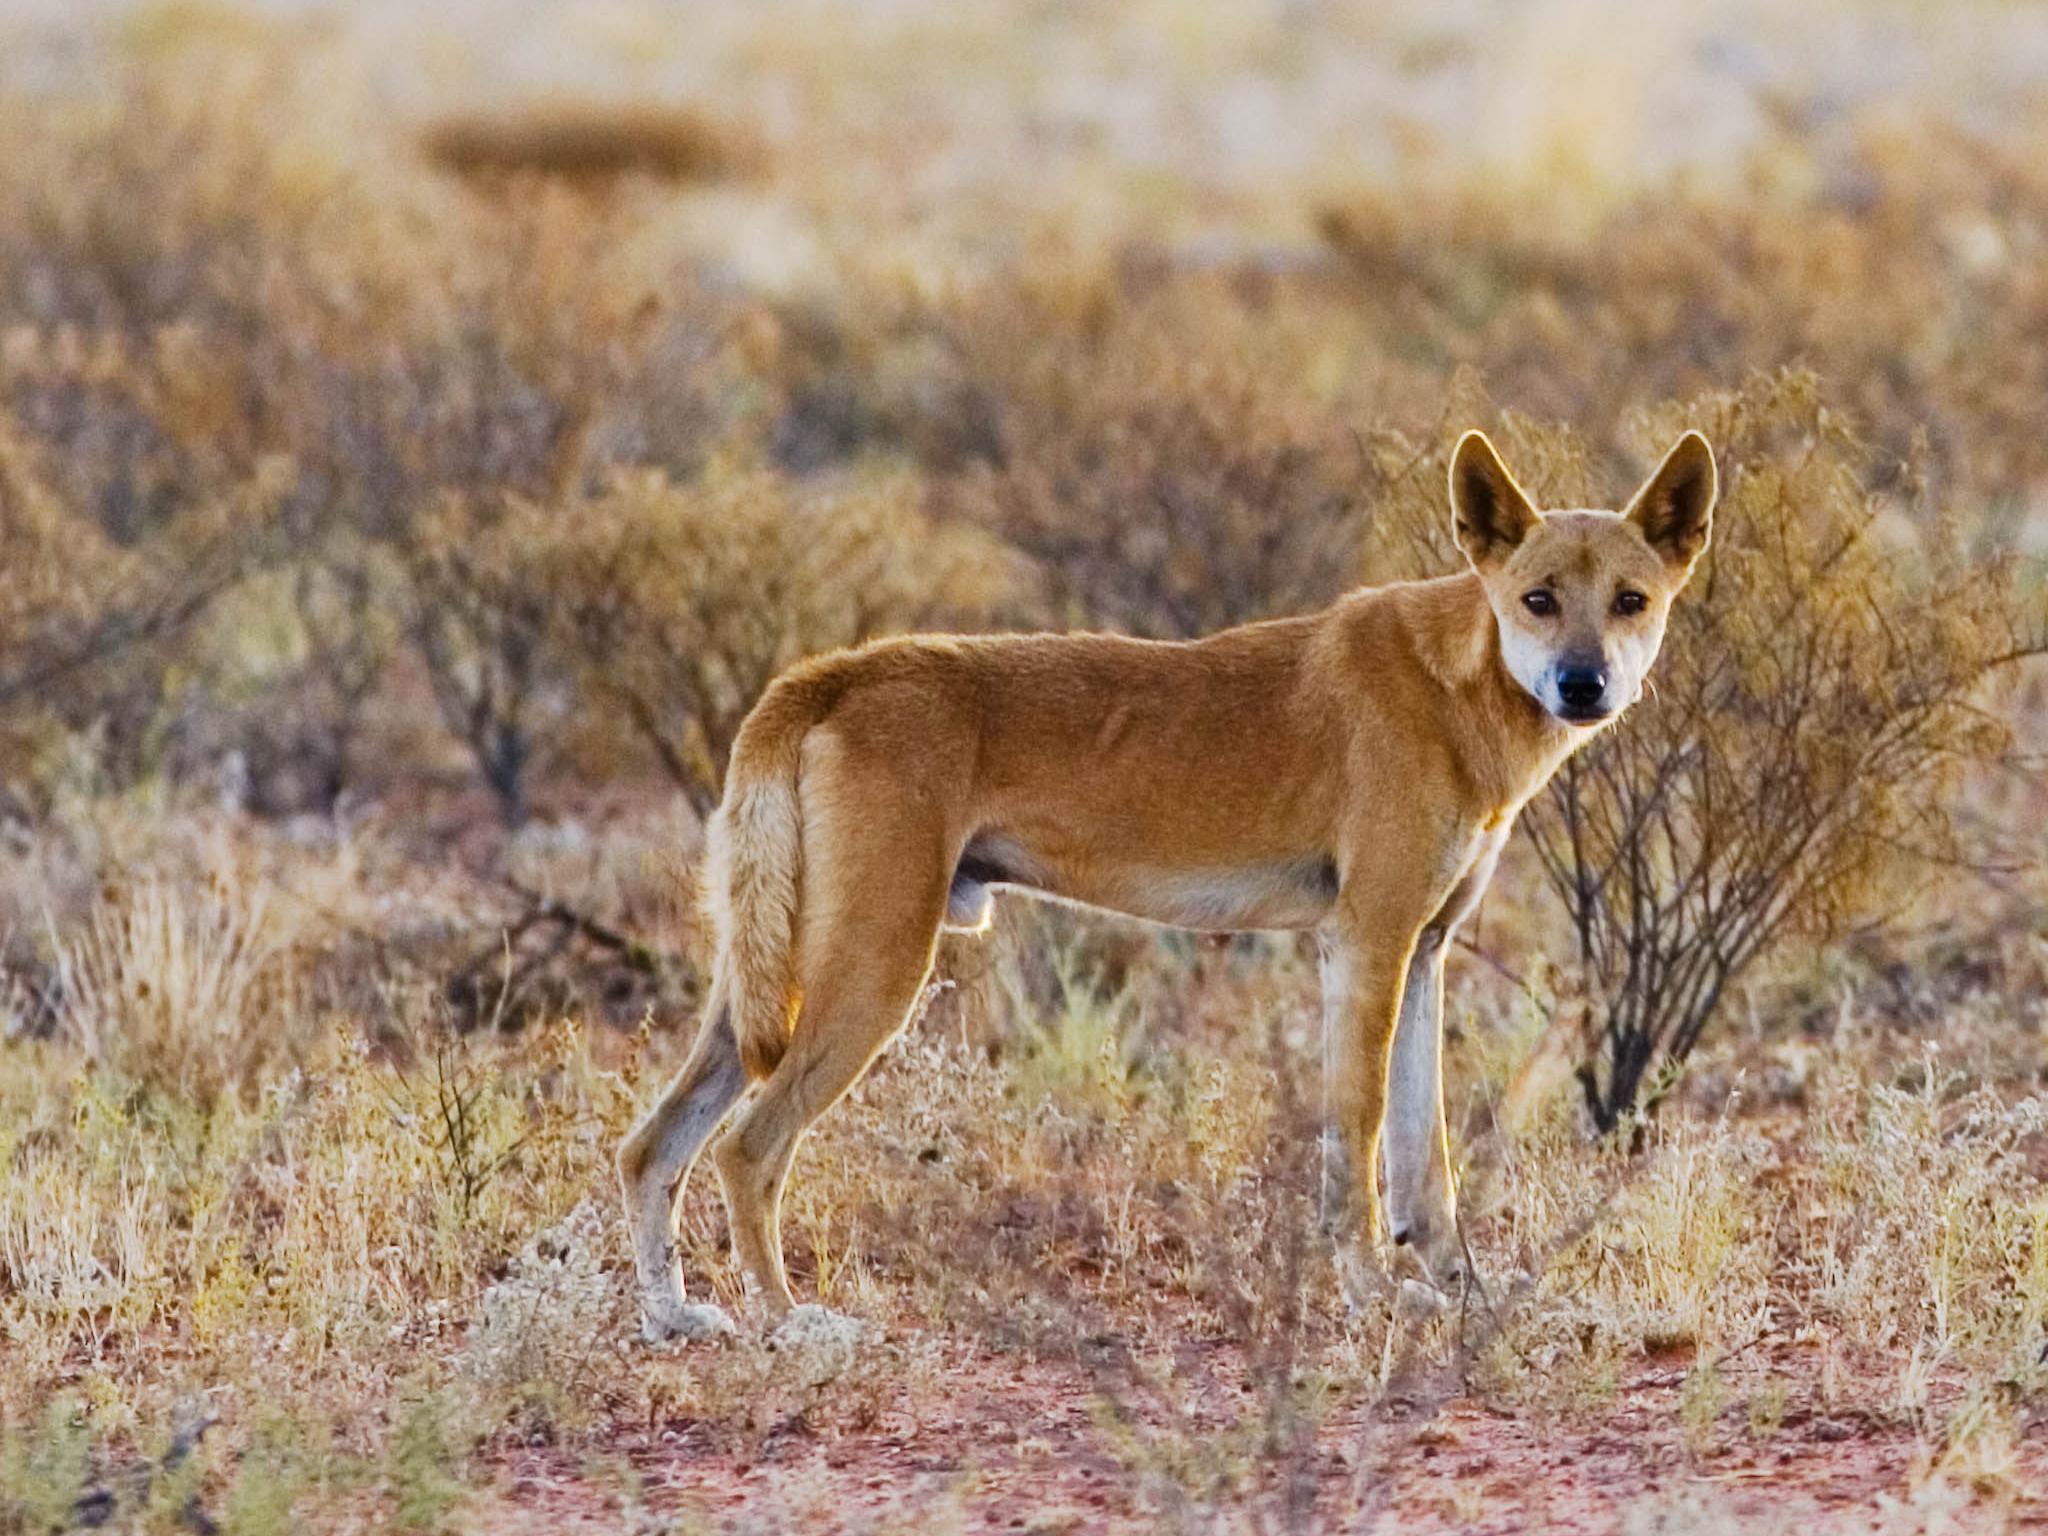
[398, 1254]
[392, 554]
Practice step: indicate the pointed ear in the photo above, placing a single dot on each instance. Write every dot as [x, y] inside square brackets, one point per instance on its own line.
[1489, 514]
[1675, 507]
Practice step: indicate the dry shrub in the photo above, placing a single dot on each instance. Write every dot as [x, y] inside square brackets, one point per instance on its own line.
[1907, 276]
[140, 240]
[46, 590]
[91, 629]
[293, 729]
[1928, 1232]
[1167, 457]
[199, 301]
[680, 601]
[554, 1317]
[1890, 1223]
[1660, 1247]
[1820, 694]
[521, 360]
[178, 196]
[325, 1211]
[479, 622]
[198, 293]
[588, 141]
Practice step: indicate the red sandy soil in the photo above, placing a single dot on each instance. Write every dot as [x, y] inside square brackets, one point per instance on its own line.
[1026, 1445]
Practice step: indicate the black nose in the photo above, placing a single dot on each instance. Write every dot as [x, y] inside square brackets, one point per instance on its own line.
[1581, 687]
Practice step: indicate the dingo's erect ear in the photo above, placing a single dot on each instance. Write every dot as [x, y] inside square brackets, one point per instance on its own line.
[1675, 507]
[1489, 513]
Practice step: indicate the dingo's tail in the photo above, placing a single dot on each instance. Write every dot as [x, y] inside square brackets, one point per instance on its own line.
[754, 874]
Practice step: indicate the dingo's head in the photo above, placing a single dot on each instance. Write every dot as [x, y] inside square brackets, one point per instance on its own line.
[1581, 597]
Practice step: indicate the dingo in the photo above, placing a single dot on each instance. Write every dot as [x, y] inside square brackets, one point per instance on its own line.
[1354, 771]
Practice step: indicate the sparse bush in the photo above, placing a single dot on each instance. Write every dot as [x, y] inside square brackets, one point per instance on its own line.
[1884, 271]
[480, 622]
[92, 631]
[301, 726]
[680, 602]
[1159, 455]
[587, 142]
[1930, 1234]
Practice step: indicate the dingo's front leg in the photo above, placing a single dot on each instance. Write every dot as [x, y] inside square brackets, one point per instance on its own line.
[1384, 942]
[1362, 986]
[1421, 1196]
[1422, 1209]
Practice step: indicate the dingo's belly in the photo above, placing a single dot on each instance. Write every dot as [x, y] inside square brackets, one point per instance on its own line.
[1295, 892]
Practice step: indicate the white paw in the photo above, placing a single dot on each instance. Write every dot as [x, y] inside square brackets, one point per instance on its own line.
[819, 1340]
[668, 1317]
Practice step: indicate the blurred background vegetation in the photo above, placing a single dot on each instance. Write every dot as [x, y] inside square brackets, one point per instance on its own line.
[456, 421]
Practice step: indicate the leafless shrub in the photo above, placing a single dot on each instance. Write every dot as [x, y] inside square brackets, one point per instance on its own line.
[344, 621]
[480, 624]
[163, 202]
[517, 976]
[497, 395]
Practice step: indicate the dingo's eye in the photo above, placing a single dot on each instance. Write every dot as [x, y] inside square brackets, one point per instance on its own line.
[1629, 603]
[1540, 602]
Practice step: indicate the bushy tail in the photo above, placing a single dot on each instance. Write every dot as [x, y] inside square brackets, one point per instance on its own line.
[754, 875]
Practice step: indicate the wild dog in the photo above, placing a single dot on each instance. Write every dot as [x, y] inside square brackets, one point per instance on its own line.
[1354, 772]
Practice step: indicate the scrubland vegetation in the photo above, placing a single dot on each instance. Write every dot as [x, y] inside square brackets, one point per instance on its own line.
[397, 526]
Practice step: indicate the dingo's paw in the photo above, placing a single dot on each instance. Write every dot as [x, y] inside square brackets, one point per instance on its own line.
[1428, 1234]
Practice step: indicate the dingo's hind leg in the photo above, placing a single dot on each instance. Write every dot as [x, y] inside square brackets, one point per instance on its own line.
[873, 903]
[654, 1163]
